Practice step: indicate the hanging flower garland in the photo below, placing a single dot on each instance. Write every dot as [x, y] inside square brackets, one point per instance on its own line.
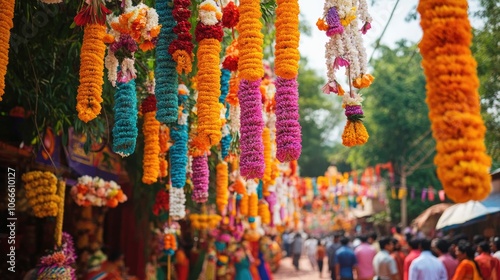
[177, 203]
[221, 191]
[6, 23]
[264, 214]
[170, 242]
[452, 97]
[200, 178]
[41, 192]
[226, 135]
[151, 131]
[179, 150]
[125, 128]
[250, 72]
[266, 139]
[97, 192]
[204, 221]
[58, 231]
[164, 141]
[253, 203]
[230, 15]
[209, 35]
[345, 49]
[93, 17]
[181, 49]
[59, 264]
[162, 200]
[165, 71]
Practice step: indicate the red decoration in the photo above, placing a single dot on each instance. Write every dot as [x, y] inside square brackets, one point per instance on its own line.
[209, 32]
[230, 63]
[91, 14]
[149, 104]
[230, 15]
[161, 202]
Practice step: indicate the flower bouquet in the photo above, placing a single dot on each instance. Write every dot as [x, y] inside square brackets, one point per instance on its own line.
[97, 192]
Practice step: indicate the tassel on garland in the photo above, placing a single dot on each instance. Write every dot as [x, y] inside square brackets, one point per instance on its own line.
[125, 128]
[181, 48]
[200, 178]
[453, 100]
[179, 150]
[89, 97]
[222, 191]
[6, 23]
[165, 71]
[354, 131]
[151, 131]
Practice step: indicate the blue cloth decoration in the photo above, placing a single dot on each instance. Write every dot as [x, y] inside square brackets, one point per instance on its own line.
[125, 127]
[179, 150]
[165, 73]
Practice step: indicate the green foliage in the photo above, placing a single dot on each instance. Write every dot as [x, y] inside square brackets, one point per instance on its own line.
[487, 53]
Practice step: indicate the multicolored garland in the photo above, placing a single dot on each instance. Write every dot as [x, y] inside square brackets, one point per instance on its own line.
[453, 100]
[209, 35]
[93, 17]
[97, 192]
[179, 151]
[125, 128]
[181, 49]
[6, 23]
[170, 242]
[151, 131]
[165, 71]
[221, 187]
[200, 178]
[41, 192]
[250, 72]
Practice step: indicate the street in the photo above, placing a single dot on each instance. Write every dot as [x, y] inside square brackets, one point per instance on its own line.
[306, 272]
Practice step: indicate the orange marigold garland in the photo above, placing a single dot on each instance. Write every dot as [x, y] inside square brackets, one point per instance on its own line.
[165, 144]
[93, 17]
[266, 139]
[151, 130]
[6, 23]
[222, 192]
[209, 35]
[453, 100]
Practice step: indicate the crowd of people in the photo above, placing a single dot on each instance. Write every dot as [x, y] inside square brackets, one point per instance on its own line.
[398, 256]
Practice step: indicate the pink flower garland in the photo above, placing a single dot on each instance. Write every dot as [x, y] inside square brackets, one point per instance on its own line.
[288, 134]
[252, 157]
[200, 179]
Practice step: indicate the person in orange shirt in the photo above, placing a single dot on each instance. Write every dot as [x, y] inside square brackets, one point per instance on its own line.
[414, 253]
[320, 256]
[399, 257]
[488, 265]
[467, 268]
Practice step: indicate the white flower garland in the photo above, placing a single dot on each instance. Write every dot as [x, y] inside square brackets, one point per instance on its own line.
[234, 117]
[111, 63]
[177, 201]
[206, 14]
[363, 13]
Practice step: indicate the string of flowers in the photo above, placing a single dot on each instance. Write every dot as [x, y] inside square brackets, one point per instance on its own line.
[162, 200]
[264, 214]
[250, 72]
[230, 15]
[58, 231]
[6, 23]
[177, 203]
[209, 35]
[164, 141]
[170, 242]
[179, 150]
[151, 131]
[200, 178]
[266, 139]
[205, 221]
[165, 70]
[253, 203]
[125, 128]
[97, 192]
[41, 192]
[226, 135]
[453, 100]
[222, 192]
[92, 16]
[230, 63]
[181, 49]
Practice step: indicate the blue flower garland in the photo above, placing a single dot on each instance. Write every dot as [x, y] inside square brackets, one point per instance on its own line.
[165, 73]
[125, 127]
[224, 89]
[179, 150]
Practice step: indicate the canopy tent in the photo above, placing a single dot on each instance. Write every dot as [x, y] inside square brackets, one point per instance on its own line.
[463, 214]
[426, 222]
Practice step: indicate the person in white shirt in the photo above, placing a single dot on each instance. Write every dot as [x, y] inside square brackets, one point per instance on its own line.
[384, 265]
[427, 266]
[310, 246]
[495, 247]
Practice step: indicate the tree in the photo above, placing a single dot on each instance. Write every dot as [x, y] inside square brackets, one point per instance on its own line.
[398, 123]
[319, 114]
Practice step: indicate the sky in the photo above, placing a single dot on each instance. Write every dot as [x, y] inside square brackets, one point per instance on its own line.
[314, 47]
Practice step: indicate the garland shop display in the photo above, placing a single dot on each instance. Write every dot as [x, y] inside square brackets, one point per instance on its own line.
[453, 100]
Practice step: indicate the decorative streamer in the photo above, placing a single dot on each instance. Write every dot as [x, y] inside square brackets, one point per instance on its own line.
[200, 178]
[181, 48]
[179, 150]
[6, 23]
[125, 128]
[165, 71]
[453, 100]
[252, 149]
[222, 192]
[151, 131]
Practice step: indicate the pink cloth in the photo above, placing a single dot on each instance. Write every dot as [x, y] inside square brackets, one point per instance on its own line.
[411, 256]
[365, 254]
[449, 263]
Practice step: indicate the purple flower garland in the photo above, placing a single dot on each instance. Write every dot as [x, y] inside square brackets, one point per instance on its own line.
[288, 130]
[200, 179]
[252, 149]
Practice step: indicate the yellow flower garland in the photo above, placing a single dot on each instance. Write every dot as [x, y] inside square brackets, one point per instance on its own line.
[41, 192]
[6, 23]
[264, 213]
[222, 192]
[164, 142]
[253, 205]
[287, 39]
[91, 72]
[453, 100]
[61, 192]
[250, 41]
[244, 204]
[266, 139]
[209, 122]
[354, 134]
[151, 161]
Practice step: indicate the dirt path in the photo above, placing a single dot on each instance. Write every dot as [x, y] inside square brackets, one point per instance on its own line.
[306, 272]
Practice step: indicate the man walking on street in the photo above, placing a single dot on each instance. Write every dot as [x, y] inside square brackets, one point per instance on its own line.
[383, 264]
[345, 261]
[331, 250]
[297, 250]
[365, 254]
[426, 266]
